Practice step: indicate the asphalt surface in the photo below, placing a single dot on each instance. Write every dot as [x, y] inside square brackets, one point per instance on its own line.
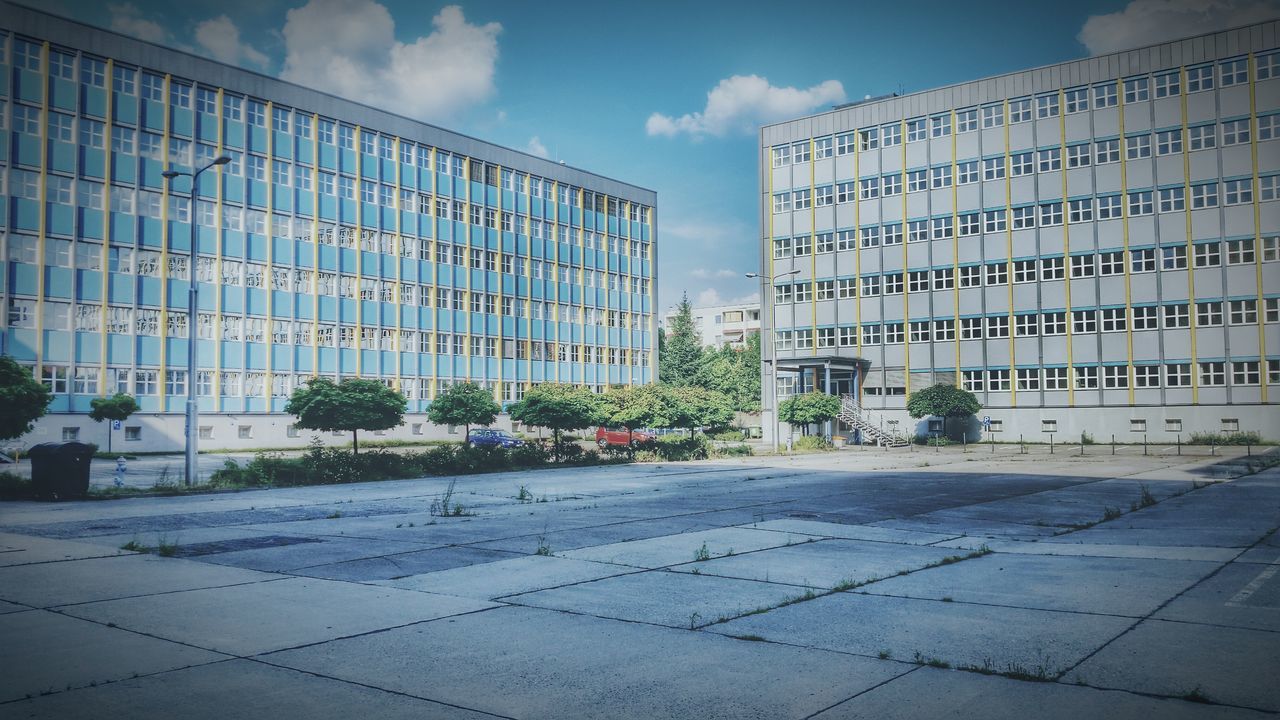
[847, 585]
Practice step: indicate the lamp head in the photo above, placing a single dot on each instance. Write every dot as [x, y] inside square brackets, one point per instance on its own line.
[170, 174]
[753, 275]
[221, 160]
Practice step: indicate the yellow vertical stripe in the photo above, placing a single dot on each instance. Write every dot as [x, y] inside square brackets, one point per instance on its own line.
[1191, 276]
[1124, 225]
[1257, 228]
[1066, 249]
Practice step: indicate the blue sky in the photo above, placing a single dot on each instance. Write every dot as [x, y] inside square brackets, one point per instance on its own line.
[666, 95]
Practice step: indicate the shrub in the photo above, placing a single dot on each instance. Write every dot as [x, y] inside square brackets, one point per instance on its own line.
[15, 487]
[811, 442]
[732, 451]
[938, 441]
[729, 436]
[677, 448]
[1235, 438]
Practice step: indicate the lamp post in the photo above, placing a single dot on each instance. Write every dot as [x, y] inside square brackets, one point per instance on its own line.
[193, 412]
[773, 318]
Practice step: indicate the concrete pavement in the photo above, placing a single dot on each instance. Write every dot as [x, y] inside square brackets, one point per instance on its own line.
[846, 585]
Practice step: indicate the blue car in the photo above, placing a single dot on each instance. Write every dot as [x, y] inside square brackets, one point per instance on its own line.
[488, 437]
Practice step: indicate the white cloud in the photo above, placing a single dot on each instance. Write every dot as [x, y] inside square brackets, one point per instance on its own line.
[711, 297]
[743, 102]
[220, 38]
[348, 47]
[704, 274]
[126, 18]
[535, 147]
[705, 232]
[1145, 22]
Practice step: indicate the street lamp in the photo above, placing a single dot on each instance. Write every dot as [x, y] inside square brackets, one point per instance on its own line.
[193, 413]
[773, 385]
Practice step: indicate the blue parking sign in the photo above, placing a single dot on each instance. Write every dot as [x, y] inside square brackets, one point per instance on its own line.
[115, 424]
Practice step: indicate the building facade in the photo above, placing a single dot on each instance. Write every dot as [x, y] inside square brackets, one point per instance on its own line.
[1089, 247]
[719, 325]
[341, 240]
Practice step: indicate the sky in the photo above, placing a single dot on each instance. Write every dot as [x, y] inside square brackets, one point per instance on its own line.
[661, 94]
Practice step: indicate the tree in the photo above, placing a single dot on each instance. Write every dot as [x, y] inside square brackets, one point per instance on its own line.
[734, 372]
[352, 405]
[808, 409]
[635, 406]
[464, 404]
[680, 353]
[22, 397]
[945, 401]
[559, 407]
[117, 407]
[695, 407]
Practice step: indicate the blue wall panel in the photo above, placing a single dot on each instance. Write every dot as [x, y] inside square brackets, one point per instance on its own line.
[255, 356]
[59, 282]
[119, 349]
[232, 355]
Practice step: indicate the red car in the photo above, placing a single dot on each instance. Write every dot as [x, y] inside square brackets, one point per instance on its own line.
[619, 437]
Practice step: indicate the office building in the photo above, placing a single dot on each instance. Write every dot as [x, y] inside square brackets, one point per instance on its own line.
[341, 240]
[719, 325]
[1089, 247]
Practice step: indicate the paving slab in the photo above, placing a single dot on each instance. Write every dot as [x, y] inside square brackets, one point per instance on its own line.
[81, 581]
[591, 536]
[1227, 665]
[853, 532]
[1115, 586]
[400, 565]
[822, 564]
[599, 669]
[48, 652]
[1151, 552]
[189, 536]
[679, 600]
[685, 547]
[954, 695]
[952, 525]
[25, 550]
[282, 558]
[1243, 595]
[232, 690]
[1264, 553]
[508, 577]
[956, 633]
[258, 618]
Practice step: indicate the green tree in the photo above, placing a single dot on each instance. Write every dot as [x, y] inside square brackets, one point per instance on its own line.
[351, 405]
[734, 372]
[635, 406]
[694, 407]
[680, 352]
[117, 407]
[464, 404]
[808, 409]
[560, 408]
[945, 401]
[23, 398]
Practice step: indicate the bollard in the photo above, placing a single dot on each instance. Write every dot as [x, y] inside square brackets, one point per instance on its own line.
[1144, 443]
[1022, 447]
[1179, 444]
[1051, 444]
[1113, 443]
[1213, 445]
[1248, 449]
[964, 443]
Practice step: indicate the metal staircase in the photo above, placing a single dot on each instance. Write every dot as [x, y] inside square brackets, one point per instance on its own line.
[871, 427]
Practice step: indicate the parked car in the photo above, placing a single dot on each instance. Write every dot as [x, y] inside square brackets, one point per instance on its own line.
[619, 437]
[488, 437]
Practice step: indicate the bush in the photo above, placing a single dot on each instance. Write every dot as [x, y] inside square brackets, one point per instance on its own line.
[1235, 438]
[729, 436]
[15, 487]
[678, 448]
[932, 441]
[732, 451]
[812, 442]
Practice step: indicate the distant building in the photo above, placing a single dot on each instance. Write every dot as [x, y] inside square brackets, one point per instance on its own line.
[722, 324]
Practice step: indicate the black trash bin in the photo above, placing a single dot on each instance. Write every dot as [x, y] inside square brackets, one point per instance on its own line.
[60, 470]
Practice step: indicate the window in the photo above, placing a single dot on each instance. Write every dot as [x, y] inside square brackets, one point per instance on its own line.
[967, 172]
[1111, 262]
[966, 120]
[1051, 214]
[972, 380]
[1199, 78]
[940, 177]
[1020, 164]
[1141, 203]
[1047, 106]
[1177, 375]
[869, 188]
[891, 135]
[1169, 142]
[1146, 376]
[1082, 266]
[1079, 155]
[1114, 319]
[1268, 127]
[1028, 379]
[1136, 90]
[1173, 258]
[916, 129]
[891, 184]
[1235, 132]
[993, 168]
[1086, 377]
[1106, 151]
[1240, 252]
[1077, 99]
[1054, 323]
[1115, 377]
[997, 273]
[940, 125]
[1213, 374]
[992, 116]
[1084, 321]
[1269, 187]
[1172, 199]
[781, 156]
[1050, 159]
[943, 279]
[1019, 110]
[1202, 137]
[1080, 210]
[1168, 84]
[823, 197]
[1024, 217]
[1137, 147]
[1055, 378]
[993, 221]
[970, 224]
[1209, 314]
[1204, 195]
[1237, 192]
[1208, 254]
[917, 180]
[970, 275]
[846, 143]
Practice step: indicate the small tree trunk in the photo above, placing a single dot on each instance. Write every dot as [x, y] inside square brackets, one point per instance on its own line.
[355, 443]
[555, 444]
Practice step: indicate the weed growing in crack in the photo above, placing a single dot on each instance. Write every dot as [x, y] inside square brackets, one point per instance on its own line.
[702, 554]
[1110, 513]
[135, 546]
[885, 655]
[333, 515]
[933, 662]
[1147, 499]
[166, 548]
[524, 495]
[1196, 696]
[749, 638]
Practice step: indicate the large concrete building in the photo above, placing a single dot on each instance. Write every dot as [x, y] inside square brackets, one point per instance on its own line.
[719, 325]
[1089, 247]
[341, 240]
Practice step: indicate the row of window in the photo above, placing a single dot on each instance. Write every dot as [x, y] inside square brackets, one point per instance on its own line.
[1120, 377]
[128, 81]
[147, 321]
[1029, 270]
[1023, 109]
[236, 273]
[144, 382]
[1023, 163]
[1204, 194]
[1170, 316]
